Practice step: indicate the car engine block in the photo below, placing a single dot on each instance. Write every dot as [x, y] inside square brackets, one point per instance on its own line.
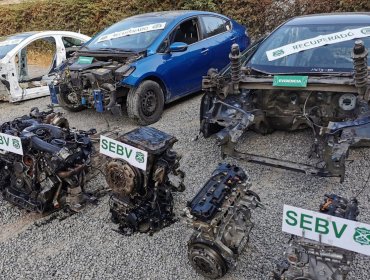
[142, 201]
[220, 215]
[51, 173]
[308, 259]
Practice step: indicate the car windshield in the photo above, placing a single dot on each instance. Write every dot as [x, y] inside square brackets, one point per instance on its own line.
[7, 43]
[133, 34]
[293, 49]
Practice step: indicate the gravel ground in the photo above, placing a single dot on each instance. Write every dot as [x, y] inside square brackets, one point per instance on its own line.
[84, 246]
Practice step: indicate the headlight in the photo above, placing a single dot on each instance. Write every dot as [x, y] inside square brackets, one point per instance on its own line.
[124, 71]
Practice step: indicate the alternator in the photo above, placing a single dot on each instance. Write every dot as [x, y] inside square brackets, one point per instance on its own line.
[311, 260]
[220, 214]
[142, 201]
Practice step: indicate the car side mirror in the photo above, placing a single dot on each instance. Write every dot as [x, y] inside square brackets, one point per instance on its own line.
[178, 47]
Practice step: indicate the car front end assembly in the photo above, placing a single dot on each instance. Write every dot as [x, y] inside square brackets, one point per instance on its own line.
[334, 106]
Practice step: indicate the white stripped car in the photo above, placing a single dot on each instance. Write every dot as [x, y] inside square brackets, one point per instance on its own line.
[19, 80]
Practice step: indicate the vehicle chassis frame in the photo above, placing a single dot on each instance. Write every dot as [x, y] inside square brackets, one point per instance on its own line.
[354, 133]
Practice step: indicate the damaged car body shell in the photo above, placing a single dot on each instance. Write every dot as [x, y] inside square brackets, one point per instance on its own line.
[14, 83]
[325, 88]
[148, 59]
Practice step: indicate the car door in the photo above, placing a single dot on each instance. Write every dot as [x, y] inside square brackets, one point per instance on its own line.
[38, 85]
[218, 33]
[35, 63]
[182, 71]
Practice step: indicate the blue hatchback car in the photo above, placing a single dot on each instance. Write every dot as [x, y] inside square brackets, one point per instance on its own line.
[148, 60]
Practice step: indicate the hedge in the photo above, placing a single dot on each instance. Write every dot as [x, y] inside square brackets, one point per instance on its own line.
[91, 16]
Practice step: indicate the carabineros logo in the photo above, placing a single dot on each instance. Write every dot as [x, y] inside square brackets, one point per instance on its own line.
[366, 30]
[16, 144]
[139, 157]
[362, 236]
[278, 53]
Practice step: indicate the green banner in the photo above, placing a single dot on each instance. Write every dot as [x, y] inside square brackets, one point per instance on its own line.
[85, 60]
[290, 81]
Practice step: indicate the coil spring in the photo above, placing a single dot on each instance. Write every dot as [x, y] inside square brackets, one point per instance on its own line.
[235, 66]
[359, 56]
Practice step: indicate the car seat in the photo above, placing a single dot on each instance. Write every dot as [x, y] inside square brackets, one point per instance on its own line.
[187, 33]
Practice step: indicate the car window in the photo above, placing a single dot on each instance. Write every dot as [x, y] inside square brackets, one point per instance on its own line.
[132, 34]
[72, 42]
[7, 43]
[334, 57]
[214, 25]
[187, 32]
[71, 45]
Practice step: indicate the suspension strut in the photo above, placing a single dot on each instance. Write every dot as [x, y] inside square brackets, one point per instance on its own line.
[235, 67]
[359, 56]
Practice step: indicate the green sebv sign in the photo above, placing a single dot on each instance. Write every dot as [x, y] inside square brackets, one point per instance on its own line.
[334, 231]
[119, 150]
[11, 144]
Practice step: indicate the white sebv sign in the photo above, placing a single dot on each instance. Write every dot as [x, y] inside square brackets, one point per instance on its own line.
[119, 150]
[11, 144]
[334, 231]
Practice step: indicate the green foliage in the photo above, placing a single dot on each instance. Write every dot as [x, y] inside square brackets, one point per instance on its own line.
[91, 16]
[203, 5]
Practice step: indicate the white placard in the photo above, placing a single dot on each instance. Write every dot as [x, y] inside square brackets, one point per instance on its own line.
[10, 42]
[11, 144]
[132, 31]
[334, 231]
[318, 41]
[119, 150]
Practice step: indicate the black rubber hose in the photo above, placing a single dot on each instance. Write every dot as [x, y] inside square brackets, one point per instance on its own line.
[113, 96]
[44, 146]
[56, 132]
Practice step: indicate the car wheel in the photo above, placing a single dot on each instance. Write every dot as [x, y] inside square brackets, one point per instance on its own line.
[67, 104]
[145, 103]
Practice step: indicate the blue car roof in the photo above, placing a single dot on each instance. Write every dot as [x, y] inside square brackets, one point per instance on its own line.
[333, 18]
[174, 14]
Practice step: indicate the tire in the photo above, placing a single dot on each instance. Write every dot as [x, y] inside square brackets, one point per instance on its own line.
[66, 104]
[145, 103]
